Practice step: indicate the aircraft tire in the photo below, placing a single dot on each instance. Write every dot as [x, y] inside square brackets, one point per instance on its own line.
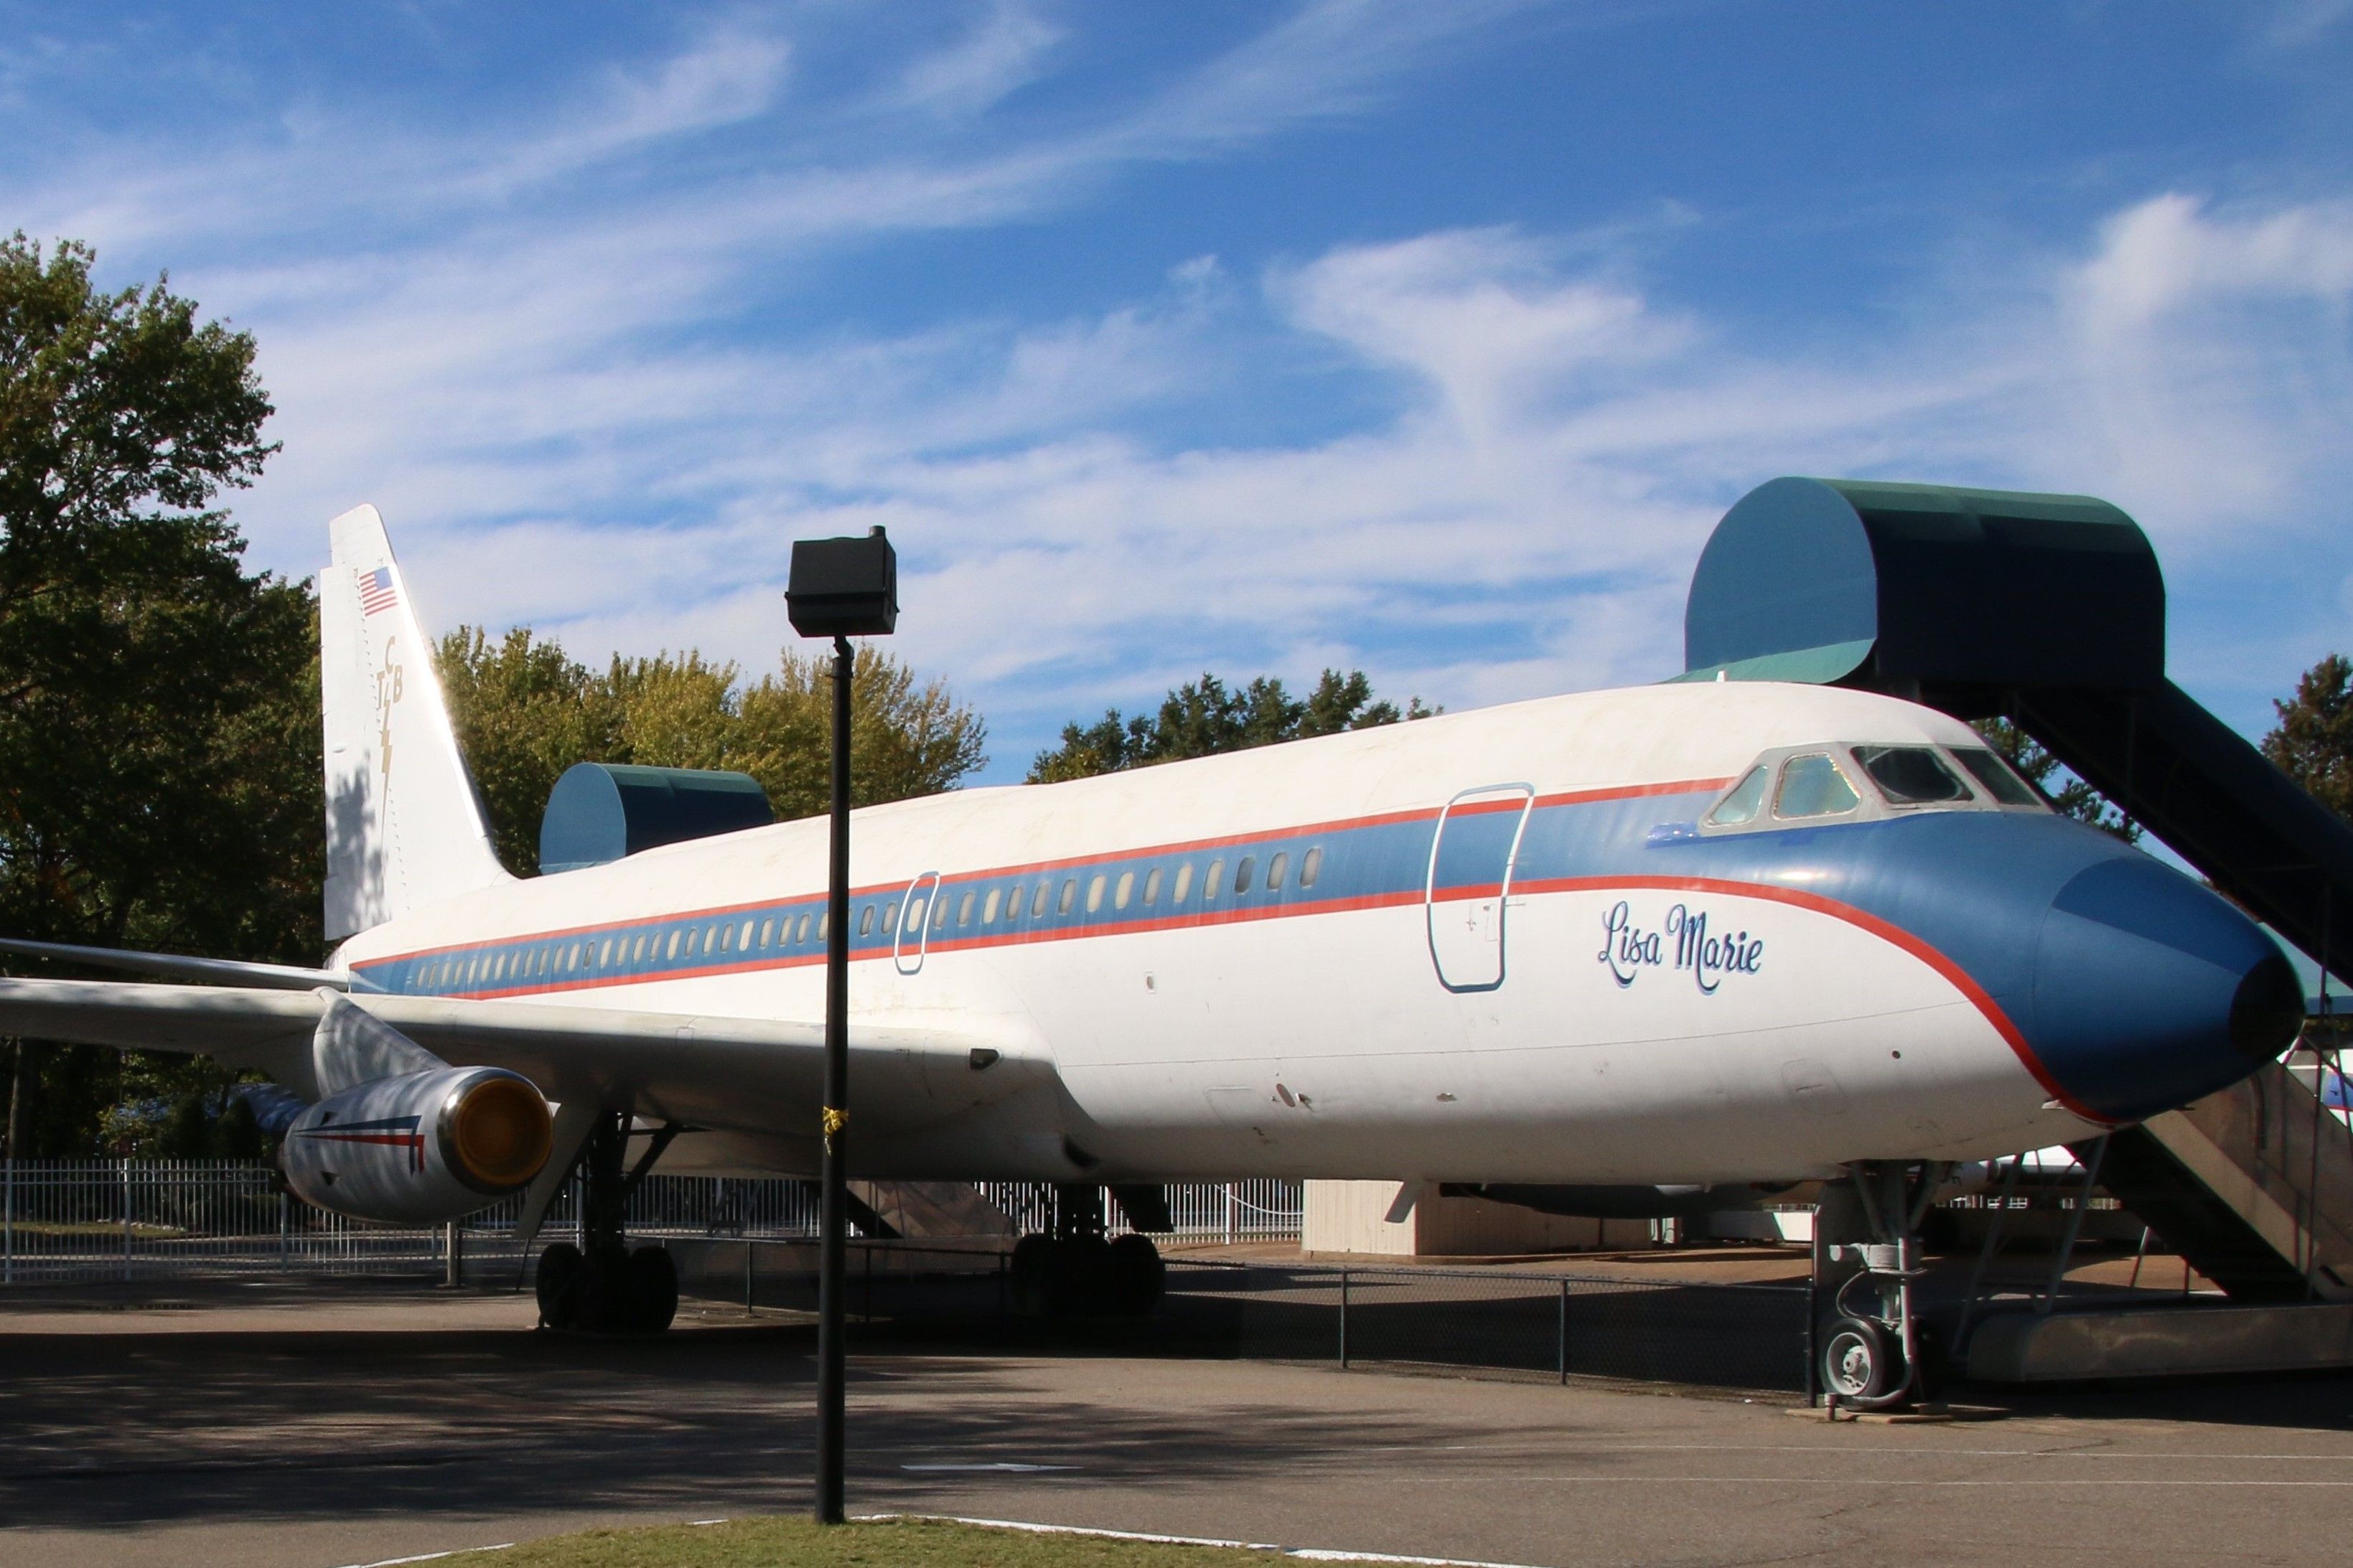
[656, 1276]
[608, 1293]
[1137, 1276]
[1035, 1265]
[1858, 1361]
[1086, 1286]
[557, 1285]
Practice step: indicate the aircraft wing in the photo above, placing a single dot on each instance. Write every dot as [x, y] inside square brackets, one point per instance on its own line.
[749, 1075]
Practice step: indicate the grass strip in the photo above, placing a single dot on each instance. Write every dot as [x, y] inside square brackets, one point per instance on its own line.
[789, 1542]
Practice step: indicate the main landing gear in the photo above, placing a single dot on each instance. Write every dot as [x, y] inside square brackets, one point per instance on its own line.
[601, 1287]
[1875, 1352]
[1077, 1273]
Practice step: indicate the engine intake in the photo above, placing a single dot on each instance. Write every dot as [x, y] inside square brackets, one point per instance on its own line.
[421, 1148]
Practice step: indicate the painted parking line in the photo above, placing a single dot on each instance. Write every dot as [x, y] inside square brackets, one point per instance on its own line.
[1003, 1466]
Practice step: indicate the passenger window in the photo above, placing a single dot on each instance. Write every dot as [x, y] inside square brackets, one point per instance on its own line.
[988, 909]
[1910, 775]
[1124, 891]
[1013, 902]
[890, 917]
[768, 932]
[1274, 870]
[1152, 886]
[866, 920]
[1038, 904]
[572, 958]
[1311, 866]
[1742, 804]
[1210, 879]
[824, 925]
[1243, 875]
[1995, 774]
[1094, 893]
[915, 907]
[1070, 896]
[1813, 786]
[940, 912]
[676, 939]
[1184, 883]
[637, 952]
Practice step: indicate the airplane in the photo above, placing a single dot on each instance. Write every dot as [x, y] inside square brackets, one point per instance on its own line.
[1700, 932]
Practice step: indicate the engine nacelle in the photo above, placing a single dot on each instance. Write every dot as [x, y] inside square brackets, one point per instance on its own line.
[422, 1148]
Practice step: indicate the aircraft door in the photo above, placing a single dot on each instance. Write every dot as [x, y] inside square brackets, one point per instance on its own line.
[1467, 892]
[907, 943]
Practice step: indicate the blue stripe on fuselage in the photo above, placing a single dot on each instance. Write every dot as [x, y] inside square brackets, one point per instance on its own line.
[1976, 886]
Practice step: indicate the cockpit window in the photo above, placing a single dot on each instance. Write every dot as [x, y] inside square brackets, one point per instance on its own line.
[1813, 785]
[1747, 797]
[1994, 774]
[1910, 775]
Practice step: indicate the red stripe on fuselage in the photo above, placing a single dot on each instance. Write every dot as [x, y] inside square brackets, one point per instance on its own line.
[1184, 846]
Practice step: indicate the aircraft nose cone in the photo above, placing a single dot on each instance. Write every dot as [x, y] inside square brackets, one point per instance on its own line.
[2151, 991]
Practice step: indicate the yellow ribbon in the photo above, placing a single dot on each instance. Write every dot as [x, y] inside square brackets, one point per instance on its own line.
[833, 1120]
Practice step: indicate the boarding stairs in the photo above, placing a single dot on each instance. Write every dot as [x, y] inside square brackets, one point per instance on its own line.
[2049, 611]
[2252, 1187]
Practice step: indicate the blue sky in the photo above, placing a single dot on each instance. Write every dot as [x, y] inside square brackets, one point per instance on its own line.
[1429, 339]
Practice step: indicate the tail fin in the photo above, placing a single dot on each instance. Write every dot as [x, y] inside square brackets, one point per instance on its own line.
[404, 826]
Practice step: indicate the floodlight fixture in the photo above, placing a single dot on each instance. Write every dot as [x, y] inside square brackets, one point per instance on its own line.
[844, 587]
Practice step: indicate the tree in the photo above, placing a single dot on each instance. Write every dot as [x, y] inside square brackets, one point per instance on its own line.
[1205, 717]
[525, 712]
[148, 683]
[2313, 741]
[2070, 796]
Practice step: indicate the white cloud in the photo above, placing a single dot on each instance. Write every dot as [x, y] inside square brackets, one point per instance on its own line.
[551, 385]
[1002, 53]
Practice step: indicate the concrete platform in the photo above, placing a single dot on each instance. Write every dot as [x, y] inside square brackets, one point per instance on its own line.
[2162, 1341]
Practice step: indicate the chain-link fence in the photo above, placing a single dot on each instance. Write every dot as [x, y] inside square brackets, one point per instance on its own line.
[119, 1219]
[1550, 1326]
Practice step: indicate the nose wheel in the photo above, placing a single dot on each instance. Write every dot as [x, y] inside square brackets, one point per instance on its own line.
[1874, 1353]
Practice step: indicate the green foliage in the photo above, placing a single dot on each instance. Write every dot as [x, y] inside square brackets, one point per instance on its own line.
[2069, 795]
[525, 712]
[237, 1134]
[2313, 743]
[1205, 717]
[149, 685]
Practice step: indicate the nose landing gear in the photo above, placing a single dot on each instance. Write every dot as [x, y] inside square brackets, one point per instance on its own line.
[1874, 1353]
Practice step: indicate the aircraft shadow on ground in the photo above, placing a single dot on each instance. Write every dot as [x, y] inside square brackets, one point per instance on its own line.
[134, 1428]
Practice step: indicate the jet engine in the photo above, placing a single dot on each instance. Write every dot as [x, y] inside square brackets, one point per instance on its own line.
[420, 1148]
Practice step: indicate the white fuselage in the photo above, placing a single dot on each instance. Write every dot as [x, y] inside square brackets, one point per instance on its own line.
[1626, 1009]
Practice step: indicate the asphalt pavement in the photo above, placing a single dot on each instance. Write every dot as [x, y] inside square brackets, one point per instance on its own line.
[344, 1422]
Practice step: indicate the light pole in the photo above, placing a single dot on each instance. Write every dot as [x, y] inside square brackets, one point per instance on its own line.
[839, 588]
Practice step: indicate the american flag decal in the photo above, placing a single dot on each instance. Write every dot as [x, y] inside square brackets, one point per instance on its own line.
[376, 592]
